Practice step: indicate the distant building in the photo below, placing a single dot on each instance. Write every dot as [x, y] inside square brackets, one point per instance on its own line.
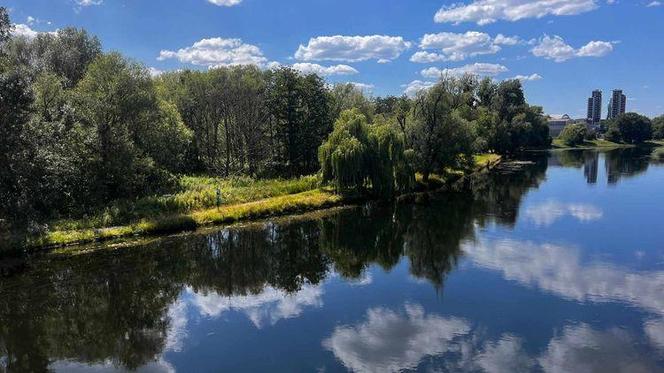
[617, 105]
[595, 108]
[557, 123]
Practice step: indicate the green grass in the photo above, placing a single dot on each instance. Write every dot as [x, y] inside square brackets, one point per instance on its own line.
[195, 193]
[230, 213]
[605, 144]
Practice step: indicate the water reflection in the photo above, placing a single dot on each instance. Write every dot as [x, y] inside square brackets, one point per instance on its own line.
[128, 308]
[389, 341]
[393, 340]
[549, 212]
[618, 164]
[559, 270]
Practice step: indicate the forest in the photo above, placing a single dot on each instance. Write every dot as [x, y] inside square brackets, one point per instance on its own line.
[82, 129]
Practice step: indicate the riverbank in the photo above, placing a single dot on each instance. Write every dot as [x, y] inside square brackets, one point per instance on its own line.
[243, 200]
[557, 144]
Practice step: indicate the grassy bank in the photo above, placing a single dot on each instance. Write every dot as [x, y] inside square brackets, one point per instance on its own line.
[243, 199]
[558, 144]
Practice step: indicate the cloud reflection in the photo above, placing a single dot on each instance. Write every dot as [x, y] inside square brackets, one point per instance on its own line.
[549, 212]
[267, 307]
[388, 341]
[559, 270]
[583, 349]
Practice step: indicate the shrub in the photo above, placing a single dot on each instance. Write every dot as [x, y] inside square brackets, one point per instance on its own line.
[574, 134]
[658, 128]
[633, 128]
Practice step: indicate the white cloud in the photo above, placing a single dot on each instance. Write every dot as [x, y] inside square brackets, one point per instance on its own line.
[654, 4]
[312, 68]
[488, 11]
[415, 86]
[456, 47]
[352, 48]
[215, 52]
[25, 31]
[388, 341]
[506, 40]
[528, 78]
[595, 49]
[555, 48]
[269, 306]
[30, 20]
[482, 69]
[225, 2]
[426, 57]
[89, 2]
[549, 212]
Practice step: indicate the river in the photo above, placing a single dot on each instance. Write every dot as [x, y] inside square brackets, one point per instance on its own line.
[558, 267]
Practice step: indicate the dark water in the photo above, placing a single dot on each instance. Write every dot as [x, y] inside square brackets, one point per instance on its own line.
[557, 268]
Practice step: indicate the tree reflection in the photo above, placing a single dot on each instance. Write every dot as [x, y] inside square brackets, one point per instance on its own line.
[112, 305]
[626, 163]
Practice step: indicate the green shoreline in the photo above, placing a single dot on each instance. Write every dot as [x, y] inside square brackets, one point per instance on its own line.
[602, 145]
[278, 206]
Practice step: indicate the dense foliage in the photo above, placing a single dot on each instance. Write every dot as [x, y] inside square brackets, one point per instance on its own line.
[574, 134]
[83, 130]
[658, 128]
[359, 156]
[630, 128]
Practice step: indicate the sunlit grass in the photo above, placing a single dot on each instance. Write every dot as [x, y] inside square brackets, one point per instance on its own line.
[195, 193]
[226, 214]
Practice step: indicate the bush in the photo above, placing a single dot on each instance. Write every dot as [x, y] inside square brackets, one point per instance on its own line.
[574, 134]
[633, 128]
[658, 128]
[613, 134]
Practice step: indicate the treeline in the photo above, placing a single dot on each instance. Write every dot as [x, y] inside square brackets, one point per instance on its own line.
[81, 128]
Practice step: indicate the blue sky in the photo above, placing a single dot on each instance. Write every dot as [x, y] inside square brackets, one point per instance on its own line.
[566, 48]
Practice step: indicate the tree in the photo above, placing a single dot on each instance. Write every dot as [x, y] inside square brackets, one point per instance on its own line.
[441, 137]
[348, 96]
[5, 26]
[574, 134]
[506, 123]
[16, 99]
[658, 127]
[632, 127]
[117, 102]
[358, 156]
[301, 116]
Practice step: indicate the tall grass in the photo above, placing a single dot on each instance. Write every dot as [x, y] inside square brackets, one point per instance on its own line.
[274, 206]
[195, 193]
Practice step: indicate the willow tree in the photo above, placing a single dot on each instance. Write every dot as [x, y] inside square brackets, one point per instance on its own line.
[359, 157]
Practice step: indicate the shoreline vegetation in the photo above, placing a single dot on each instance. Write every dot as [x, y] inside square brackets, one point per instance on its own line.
[266, 199]
[600, 144]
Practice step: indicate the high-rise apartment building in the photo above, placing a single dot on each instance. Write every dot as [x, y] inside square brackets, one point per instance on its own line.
[595, 107]
[618, 104]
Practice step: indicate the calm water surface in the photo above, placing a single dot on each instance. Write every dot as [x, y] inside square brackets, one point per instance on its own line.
[557, 268]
